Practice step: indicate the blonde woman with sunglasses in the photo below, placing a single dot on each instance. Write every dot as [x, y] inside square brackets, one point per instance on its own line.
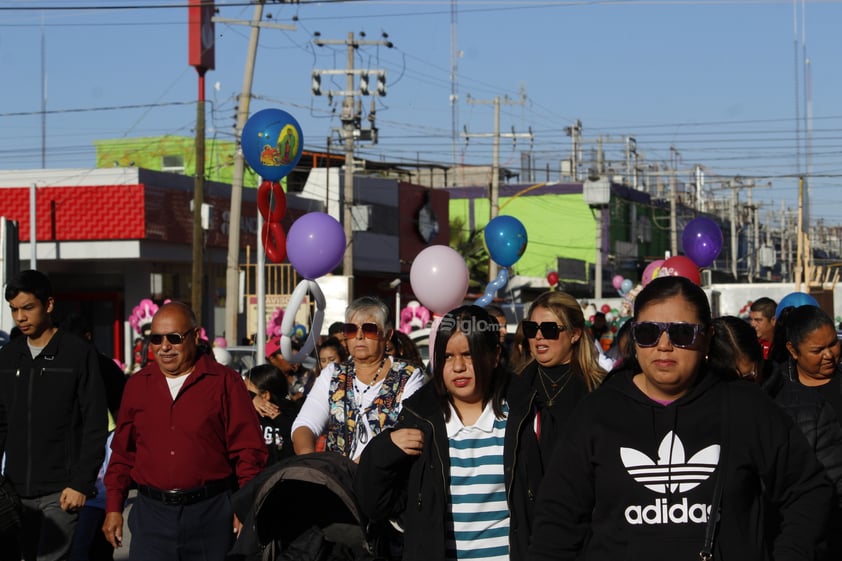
[354, 401]
[668, 460]
[562, 365]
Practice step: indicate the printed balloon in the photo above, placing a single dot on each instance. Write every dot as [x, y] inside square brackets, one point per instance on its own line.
[680, 266]
[651, 271]
[272, 143]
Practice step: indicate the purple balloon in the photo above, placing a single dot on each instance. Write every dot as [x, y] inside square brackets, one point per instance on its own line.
[702, 241]
[315, 244]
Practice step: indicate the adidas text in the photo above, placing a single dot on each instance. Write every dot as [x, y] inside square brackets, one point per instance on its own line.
[662, 513]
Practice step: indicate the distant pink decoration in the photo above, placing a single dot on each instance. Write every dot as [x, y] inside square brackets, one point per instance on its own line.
[142, 315]
[414, 316]
[273, 328]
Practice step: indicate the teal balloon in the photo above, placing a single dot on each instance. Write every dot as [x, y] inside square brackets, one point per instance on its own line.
[505, 239]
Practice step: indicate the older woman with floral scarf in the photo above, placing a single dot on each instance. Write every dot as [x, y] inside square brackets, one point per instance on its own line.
[353, 401]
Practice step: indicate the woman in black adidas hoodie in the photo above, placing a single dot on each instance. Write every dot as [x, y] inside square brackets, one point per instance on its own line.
[635, 474]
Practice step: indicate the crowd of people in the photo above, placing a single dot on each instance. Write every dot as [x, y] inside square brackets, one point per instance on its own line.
[693, 436]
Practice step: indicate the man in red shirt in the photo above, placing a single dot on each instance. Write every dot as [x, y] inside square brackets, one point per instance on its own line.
[761, 316]
[187, 434]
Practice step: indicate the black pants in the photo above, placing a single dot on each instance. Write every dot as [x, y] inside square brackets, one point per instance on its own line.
[89, 543]
[200, 532]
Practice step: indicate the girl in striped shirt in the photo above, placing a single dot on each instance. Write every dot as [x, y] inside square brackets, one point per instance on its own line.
[454, 471]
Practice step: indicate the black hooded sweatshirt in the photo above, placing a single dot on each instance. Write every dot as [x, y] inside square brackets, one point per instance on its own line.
[634, 479]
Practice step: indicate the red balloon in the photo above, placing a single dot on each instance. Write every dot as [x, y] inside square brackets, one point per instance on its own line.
[681, 266]
[552, 278]
[271, 190]
[605, 308]
[274, 241]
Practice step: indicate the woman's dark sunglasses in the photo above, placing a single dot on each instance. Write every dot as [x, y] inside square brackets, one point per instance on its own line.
[548, 329]
[173, 338]
[370, 330]
[681, 335]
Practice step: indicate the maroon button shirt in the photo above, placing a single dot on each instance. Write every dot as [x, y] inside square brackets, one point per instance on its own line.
[187, 442]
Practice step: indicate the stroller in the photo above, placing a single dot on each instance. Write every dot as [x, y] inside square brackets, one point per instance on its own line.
[304, 509]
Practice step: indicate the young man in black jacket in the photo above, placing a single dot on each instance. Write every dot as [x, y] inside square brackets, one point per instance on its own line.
[53, 420]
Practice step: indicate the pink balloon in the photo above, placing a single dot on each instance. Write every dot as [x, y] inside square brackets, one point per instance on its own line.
[651, 271]
[439, 278]
[617, 281]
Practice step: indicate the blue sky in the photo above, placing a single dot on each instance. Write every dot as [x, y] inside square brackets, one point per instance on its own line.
[714, 79]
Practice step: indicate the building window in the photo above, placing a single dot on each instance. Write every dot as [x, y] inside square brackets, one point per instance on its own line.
[174, 164]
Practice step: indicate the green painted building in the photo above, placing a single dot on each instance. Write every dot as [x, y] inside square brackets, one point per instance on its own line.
[174, 154]
[562, 229]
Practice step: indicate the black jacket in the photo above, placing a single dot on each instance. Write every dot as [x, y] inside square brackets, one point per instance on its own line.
[389, 483]
[53, 415]
[634, 479]
[816, 419]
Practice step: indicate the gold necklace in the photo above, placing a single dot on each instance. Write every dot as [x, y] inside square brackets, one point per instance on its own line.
[543, 375]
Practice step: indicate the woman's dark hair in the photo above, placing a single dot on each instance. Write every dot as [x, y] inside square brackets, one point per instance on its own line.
[778, 353]
[802, 321]
[622, 347]
[335, 344]
[267, 378]
[664, 288]
[405, 348]
[732, 337]
[481, 331]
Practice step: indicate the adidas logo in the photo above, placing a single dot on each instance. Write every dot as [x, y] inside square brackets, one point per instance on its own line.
[671, 473]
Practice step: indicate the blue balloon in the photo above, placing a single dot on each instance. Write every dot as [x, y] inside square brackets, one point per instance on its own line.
[272, 143]
[505, 239]
[626, 285]
[795, 300]
[492, 288]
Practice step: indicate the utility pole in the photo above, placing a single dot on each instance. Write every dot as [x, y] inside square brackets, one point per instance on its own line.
[201, 56]
[495, 158]
[232, 277]
[799, 241]
[675, 156]
[351, 117]
[575, 133]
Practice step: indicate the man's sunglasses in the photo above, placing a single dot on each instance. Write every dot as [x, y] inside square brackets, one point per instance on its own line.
[549, 329]
[370, 330]
[173, 338]
[681, 335]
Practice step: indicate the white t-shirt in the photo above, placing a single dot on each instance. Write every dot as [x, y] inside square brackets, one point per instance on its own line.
[315, 412]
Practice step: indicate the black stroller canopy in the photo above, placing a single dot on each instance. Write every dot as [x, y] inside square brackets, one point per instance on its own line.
[303, 492]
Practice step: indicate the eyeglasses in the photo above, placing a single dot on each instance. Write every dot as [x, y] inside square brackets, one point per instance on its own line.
[681, 335]
[370, 330]
[173, 338]
[548, 329]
